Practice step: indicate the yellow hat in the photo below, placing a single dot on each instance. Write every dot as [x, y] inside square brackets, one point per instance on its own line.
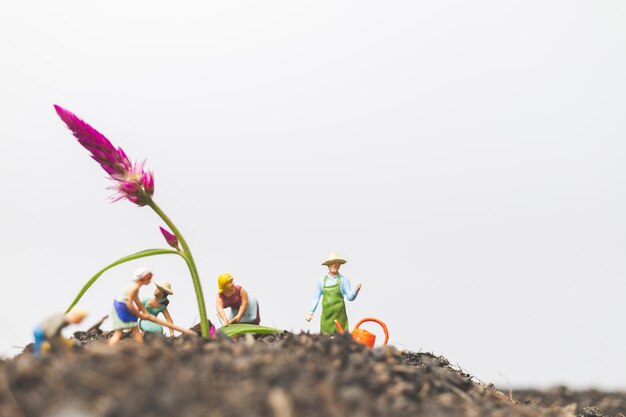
[332, 258]
[222, 280]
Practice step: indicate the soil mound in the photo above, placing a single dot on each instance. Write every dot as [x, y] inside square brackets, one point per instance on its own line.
[284, 375]
[592, 403]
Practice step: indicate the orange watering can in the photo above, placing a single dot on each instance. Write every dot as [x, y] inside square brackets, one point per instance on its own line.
[363, 336]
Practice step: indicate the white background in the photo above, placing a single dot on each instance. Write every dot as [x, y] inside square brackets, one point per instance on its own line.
[467, 158]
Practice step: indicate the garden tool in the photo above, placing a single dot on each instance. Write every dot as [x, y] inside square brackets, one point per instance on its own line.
[363, 336]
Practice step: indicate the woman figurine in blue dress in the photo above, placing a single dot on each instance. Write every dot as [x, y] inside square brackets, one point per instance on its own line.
[127, 308]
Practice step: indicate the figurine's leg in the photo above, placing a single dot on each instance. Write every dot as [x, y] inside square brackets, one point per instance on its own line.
[251, 315]
[40, 338]
[117, 335]
[137, 335]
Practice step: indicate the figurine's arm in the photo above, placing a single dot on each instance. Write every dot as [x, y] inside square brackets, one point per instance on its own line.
[219, 305]
[168, 318]
[242, 308]
[136, 306]
[316, 299]
[346, 289]
[132, 293]
[133, 299]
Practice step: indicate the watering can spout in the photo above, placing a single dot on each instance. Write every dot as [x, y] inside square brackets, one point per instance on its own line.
[339, 328]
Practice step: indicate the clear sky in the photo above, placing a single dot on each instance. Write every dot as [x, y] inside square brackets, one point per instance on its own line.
[467, 158]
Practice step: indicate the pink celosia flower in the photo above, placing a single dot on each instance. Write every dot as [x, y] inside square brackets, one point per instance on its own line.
[170, 238]
[133, 182]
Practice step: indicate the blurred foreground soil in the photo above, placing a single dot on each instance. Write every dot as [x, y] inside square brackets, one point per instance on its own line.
[278, 376]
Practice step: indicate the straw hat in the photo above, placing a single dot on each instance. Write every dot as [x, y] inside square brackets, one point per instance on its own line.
[141, 273]
[332, 258]
[165, 286]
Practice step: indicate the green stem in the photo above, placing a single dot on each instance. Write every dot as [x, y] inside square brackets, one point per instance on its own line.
[186, 254]
[142, 254]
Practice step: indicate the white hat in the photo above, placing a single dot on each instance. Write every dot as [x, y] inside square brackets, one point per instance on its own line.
[332, 258]
[141, 273]
[165, 286]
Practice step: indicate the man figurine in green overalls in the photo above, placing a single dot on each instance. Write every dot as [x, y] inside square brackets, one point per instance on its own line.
[333, 287]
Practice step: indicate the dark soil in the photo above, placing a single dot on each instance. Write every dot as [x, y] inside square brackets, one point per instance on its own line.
[281, 376]
[591, 403]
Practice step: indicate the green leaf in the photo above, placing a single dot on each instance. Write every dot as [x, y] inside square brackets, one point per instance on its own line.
[141, 254]
[235, 329]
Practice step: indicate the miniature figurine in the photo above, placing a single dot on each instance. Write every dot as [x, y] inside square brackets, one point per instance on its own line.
[127, 308]
[158, 304]
[244, 308]
[333, 287]
[48, 336]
